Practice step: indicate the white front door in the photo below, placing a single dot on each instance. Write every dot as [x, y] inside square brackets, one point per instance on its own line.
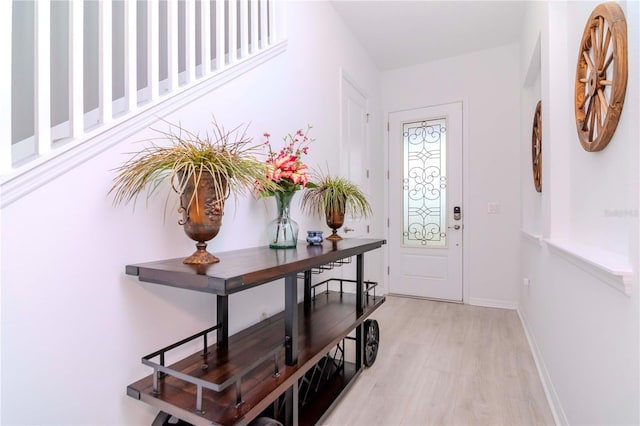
[353, 158]
[425, 186]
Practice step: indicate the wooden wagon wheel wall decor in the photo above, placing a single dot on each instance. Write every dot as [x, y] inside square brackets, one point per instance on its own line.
[601, 76]
[536, 147]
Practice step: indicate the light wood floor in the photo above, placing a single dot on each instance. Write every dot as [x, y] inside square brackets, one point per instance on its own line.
[446, 364]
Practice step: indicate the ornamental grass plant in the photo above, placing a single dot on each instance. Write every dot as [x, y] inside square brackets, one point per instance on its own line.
[335, 193]
[228, 155]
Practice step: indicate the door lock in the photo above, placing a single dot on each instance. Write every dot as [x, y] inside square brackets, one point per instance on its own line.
[456, 213]
[454, 227]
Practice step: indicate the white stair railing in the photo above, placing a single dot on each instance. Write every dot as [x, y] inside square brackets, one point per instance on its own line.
[241, 29]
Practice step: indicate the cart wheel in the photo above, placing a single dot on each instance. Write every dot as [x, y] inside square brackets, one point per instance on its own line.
[371, 341]
[165, 419]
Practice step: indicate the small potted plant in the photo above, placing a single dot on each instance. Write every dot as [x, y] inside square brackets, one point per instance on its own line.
[333, 197]
[202, 170]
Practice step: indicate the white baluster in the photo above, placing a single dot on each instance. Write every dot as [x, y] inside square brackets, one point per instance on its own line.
[130, 56]
[190, 39]
[153, 65]
[232, 31]
[221, 35]
[244, 28]
[173, 48]
[76, 67]
[42, 92]
[263, 24]
[205, 19]
[5, 86]
[106, 61]
[254, 26]
[273, 33]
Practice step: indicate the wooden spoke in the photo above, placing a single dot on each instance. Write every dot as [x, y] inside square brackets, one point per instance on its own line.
[601, 28]
[606, 65]
[605, 48]
[599, 114]
[588, 113]
[596, 47]
[588, 60]
[603, 100]
[601, 76]
[592, 117]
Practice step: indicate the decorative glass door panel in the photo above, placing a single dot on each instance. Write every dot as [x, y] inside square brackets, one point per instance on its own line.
[424, 183]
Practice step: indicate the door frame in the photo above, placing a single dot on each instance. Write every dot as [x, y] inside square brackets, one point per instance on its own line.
[345, 77]
[468, 218]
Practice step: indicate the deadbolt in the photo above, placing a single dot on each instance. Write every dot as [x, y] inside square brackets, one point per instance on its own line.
[456, 213]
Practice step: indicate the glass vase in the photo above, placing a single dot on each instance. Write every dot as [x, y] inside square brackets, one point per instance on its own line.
[283, 231]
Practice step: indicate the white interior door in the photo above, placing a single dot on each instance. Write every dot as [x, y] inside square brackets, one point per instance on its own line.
[353, 159]
[425, 186]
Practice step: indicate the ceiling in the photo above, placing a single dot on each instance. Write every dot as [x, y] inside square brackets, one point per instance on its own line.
[402, 33]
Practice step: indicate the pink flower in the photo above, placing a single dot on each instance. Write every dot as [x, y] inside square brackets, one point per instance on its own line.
[285, 167]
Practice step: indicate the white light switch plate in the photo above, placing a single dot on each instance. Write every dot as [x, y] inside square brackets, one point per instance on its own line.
[493, 208]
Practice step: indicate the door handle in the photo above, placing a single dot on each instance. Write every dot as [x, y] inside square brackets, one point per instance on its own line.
[454, 227]
[347, 229]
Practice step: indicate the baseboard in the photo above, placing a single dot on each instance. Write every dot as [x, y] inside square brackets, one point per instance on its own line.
[553, 400]
[493, 303]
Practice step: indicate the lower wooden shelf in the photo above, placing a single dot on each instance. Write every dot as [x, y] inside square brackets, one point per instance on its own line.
[328, 395]
[330, 317]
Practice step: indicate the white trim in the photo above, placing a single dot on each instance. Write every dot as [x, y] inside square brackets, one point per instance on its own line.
[466, 204]
[42, 170]
[532, 238]
[493, 303]
[610, 268]
[559, 416]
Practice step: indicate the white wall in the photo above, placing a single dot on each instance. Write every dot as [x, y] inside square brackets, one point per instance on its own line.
[74, 326]
[487, 83]
[584, 332]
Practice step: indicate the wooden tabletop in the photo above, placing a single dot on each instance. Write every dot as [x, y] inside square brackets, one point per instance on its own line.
[239, 270]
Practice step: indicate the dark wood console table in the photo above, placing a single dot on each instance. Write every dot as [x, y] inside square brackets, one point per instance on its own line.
[239, 377]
